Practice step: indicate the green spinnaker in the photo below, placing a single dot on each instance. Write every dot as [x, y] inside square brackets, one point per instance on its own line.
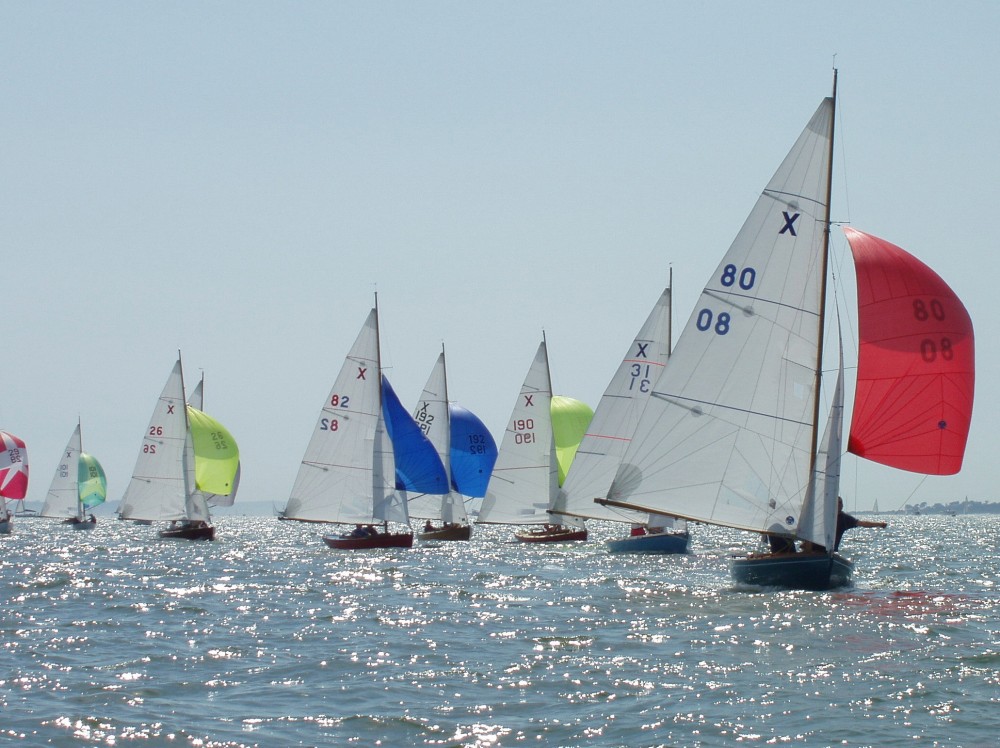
[216, 454]
[570, 419]
[91, 483]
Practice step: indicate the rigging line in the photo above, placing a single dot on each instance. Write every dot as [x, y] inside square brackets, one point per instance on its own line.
[907, 499]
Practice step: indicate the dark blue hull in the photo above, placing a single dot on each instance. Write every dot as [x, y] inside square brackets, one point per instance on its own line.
[796, 571]
[667, 542]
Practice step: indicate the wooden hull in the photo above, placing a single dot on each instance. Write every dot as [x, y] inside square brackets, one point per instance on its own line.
[796, 571]
[455, 532]
[189, 533]
[664, 542]
[557, 535]
[382, 540]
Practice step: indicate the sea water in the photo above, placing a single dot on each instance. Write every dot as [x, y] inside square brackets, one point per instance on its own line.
[268, 638]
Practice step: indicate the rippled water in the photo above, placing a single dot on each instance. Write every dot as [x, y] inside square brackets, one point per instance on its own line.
[268, 638]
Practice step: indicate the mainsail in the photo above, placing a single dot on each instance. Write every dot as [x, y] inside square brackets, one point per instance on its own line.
[164, 474]
[62, 500]
[433, 416]
[727, 436]
[610, 432]
[347, 472]
[525, 475]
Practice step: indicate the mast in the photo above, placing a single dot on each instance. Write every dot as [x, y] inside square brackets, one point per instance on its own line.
[670, 317]
[79, 500]
[822, 292]
[187, 453]
[378, 374]
[447, 425]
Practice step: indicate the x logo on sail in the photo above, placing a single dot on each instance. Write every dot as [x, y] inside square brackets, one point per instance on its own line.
[789, 223]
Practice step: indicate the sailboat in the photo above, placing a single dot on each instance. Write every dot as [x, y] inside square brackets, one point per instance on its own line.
[79, 485]
[184, 455]
[13, 476]
[603, 446]
[526, 478]
[731, 433]
[448, 427]
[347, 474]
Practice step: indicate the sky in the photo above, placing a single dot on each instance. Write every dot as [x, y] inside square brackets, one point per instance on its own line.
[236, 180]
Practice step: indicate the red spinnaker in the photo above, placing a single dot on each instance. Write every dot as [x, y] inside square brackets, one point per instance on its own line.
[916, 362]
[13, 467]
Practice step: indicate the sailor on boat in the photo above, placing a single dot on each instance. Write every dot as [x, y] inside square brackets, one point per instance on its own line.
[845, 522]
[780, 545]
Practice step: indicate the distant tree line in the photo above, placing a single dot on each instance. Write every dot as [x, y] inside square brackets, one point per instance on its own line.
[965, 506]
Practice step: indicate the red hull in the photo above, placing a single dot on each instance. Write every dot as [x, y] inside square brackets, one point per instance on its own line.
[382, 540]
[559, 535]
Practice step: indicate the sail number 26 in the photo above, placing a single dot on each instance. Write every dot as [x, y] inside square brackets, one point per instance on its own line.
[745, 279]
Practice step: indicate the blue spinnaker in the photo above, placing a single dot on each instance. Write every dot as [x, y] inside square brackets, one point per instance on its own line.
[418, 467]
[473, 452]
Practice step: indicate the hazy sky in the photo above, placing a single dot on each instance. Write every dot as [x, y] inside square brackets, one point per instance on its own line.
[236, 179]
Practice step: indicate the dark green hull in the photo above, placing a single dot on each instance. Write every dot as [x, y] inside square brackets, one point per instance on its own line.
[795, 571]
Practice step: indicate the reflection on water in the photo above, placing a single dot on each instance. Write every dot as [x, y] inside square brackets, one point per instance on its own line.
[266, 637]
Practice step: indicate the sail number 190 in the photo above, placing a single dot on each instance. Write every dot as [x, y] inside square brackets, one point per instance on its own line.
[523, 429]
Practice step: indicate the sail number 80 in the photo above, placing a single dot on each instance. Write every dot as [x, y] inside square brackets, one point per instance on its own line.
[731, 276]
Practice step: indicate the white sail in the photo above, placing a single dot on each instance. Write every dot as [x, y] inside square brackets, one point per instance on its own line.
[63, 498]
[196, 503]
[160, 480]
[388, 504]
[335, 480]
[525, 478]
[433, 417]
[818, 523]
[603, 447]
[727, 436]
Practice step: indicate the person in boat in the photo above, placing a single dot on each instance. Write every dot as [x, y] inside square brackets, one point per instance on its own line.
[780, 544]
[637, 531]
[845, 522]
[372, 532]
[428, 526]
[358, 532]
[93, 519]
